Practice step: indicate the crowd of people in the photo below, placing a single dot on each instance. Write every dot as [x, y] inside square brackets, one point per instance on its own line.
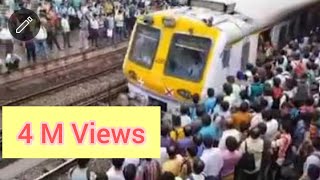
[98, 23]
[265, 126]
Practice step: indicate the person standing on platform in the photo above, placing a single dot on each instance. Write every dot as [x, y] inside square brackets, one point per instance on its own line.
[84, 32]
[66, 31]
[41, 44]
[52, 29]
[110, 28]
[119, 21]
[31, 50]
[94, 25]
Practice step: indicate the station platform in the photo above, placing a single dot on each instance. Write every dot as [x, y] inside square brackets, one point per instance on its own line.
[52, 54]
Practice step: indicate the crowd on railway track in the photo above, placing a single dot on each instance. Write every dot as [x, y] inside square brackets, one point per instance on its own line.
[95, 22]
[264, 127]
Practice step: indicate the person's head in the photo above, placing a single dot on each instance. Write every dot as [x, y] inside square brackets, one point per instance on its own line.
[198, 166]
[256, 79]
[227, 89]
[310, 101]
[184, 110]
[187, 131]
[210, 92]
[176, 121]
[208, 142]
[276, 82]
[256, 107]
[267, 115]
[229, 125]
[195, 98]
[206, 120]
[64, 16]
[225, 106]
[316, 143]
[231, 79]
[164, 130]
[264, 103]
[243, 94]
[244, 127]
[220, 98]
[249, 67]
[83, 163]
[172, 151]
[231, 143]
[117, 163]
[262, 127]
[279, 70]
[283, 52]
[129, 172]
[306, 55]
[286, 127]
[192, 151]
[167, 176]
[254, 133]
[200, 110]
[244, 107]
[240, 75]
[197, 139]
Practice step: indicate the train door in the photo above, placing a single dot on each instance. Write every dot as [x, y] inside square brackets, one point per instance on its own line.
[245, 54]
[282, 36]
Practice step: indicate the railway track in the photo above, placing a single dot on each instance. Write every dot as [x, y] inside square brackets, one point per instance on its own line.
[36, 78]
[114, 59]
[61, 169]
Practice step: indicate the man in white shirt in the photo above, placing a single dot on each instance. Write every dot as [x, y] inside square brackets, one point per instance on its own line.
[230, 131]
[256, 116]
[115, 172]
[94, 34]
[185, 118]
[272, 125]
[66, 31]
[198, 167]
[212, 159]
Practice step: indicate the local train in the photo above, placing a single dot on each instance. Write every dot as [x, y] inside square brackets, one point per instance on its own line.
[175, 53]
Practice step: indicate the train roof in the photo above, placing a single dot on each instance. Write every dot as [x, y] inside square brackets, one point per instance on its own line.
[249, 15]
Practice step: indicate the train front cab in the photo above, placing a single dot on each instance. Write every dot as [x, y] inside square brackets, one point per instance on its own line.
[168, 58]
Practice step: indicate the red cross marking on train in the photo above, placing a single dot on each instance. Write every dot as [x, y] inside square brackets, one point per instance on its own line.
[169, 92]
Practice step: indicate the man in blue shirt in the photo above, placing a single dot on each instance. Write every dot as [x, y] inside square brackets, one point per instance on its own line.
[208, 129]
[210, 102]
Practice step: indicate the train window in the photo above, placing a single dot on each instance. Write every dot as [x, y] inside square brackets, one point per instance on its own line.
[187, 56]
[144, 45]
[245, 55]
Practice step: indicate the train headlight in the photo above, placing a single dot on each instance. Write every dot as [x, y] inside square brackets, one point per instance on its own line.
[148, 20]
[169, 22]
[184, 93]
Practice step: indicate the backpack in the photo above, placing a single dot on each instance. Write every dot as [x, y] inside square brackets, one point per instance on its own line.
[247, 161]
[87, 173]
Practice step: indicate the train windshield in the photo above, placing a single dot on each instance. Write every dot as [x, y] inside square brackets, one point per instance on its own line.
[144, 45]
[187, 57]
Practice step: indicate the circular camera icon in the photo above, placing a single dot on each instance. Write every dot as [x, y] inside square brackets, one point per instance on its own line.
[24, 24]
